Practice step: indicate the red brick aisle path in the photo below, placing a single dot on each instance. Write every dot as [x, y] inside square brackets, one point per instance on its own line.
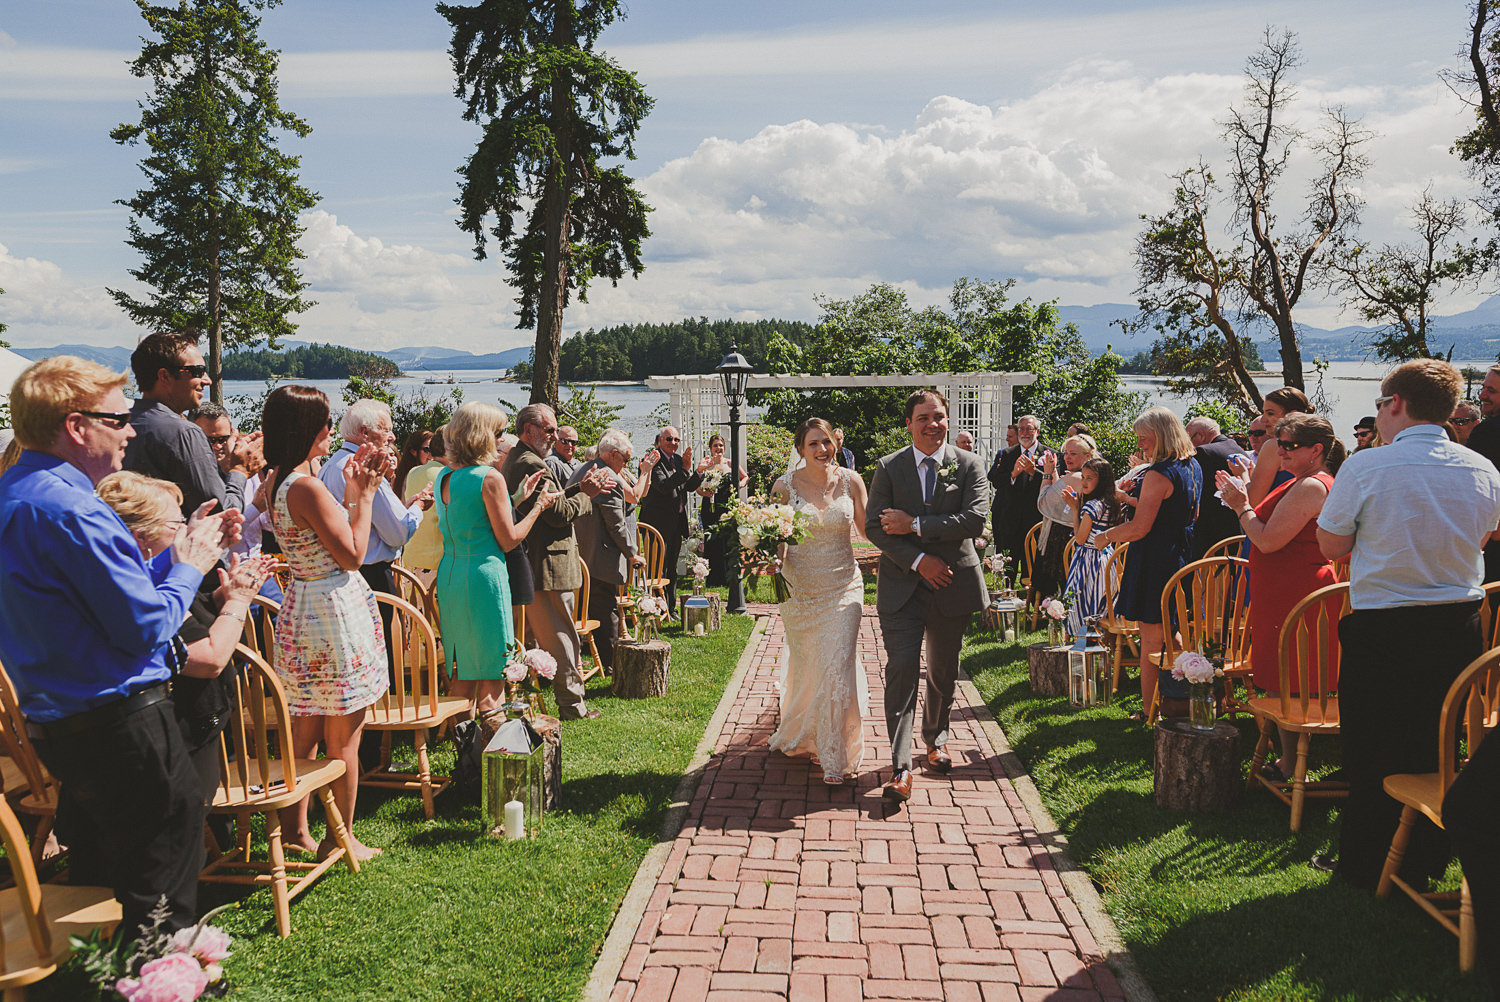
[779, 887]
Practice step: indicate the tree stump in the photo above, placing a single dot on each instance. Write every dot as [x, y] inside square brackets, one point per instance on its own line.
[551, 733]
[1197, 770]
[641, 669]
[1049, 669]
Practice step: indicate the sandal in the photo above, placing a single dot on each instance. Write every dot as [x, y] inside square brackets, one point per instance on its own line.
[832, 779]
[1139, 717]
[1270, 770]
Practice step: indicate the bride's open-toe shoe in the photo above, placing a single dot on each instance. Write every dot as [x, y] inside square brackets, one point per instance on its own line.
[832, 779]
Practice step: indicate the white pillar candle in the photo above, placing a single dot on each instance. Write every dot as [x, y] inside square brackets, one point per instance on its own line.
[1010, 636]
[515, 819]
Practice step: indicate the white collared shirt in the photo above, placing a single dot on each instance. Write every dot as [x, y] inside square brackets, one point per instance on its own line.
[1419, 509]
[937, 459]
[1033, 452]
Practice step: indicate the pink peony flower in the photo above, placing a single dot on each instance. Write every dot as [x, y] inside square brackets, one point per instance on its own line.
[517, 671]
[544, 664]
[1054, 609]
[208, 943]
[1193, 667]
[176, 977]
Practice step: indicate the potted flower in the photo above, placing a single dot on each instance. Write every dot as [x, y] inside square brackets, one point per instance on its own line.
[530, 672]
[1200, 674]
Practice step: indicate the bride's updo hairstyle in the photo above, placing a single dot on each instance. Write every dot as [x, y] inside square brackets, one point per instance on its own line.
[806, 426]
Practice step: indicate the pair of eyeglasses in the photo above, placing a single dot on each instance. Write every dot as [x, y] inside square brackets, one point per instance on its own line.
[567, 441]
[1362, 433]
[1258, 434]
[116, 419]
[329, 424]
[1286, 446]
[1462, 420]
[1382, 401]
[196, 371]
[219, 439]
[671, 440]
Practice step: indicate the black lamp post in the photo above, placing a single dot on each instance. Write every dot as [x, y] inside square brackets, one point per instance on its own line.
[734, 373]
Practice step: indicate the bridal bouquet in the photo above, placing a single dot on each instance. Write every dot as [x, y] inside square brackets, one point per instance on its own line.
[712, 479]
[763, 529]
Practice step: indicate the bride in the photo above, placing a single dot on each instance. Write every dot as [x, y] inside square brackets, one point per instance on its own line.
[823, 689]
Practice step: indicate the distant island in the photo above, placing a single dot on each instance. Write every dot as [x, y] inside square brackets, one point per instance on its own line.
[313, 361]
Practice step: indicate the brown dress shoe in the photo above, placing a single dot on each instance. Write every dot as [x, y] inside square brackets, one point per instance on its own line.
[938, 760]
[899, 788]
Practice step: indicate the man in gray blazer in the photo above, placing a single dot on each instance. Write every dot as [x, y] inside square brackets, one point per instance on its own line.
[606, 542]
[927, 503]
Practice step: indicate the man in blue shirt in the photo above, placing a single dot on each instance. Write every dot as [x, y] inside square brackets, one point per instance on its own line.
[86, 630]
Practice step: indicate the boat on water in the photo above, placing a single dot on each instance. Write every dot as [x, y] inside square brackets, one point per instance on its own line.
[451, 381]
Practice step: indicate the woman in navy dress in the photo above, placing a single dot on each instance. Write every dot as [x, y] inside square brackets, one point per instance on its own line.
[1160, 533]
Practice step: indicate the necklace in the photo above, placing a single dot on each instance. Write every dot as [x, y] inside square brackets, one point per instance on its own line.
[824, 488]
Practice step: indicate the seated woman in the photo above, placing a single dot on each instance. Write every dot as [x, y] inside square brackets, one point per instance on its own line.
[152, 510]
[1286, 563]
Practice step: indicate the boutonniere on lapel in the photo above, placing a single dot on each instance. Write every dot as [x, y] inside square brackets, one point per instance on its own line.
[948, 473]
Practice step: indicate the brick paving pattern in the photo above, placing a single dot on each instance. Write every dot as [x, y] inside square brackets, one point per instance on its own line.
[781, 888]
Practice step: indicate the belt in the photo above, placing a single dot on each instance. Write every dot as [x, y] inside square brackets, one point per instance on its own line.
[100, 716]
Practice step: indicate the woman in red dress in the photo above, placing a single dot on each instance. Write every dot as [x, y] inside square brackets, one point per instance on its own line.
[1285, 561]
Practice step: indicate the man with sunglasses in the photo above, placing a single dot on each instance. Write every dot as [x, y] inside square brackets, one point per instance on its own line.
[664, 508]
[171, 376]
[87, 629]
[562, 460]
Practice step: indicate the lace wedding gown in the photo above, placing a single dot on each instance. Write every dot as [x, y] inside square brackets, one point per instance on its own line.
[823, 689]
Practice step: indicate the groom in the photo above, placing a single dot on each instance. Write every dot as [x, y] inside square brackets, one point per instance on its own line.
[927, 503]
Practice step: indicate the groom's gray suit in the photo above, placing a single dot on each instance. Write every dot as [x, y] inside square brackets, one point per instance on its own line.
[909, 608]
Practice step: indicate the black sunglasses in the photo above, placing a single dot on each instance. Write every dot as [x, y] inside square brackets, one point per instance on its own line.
[567, 441]
[119, 419]
[1463, 420]
[1258, 434]
[219, 439]
[196, 371]
[1286, 446]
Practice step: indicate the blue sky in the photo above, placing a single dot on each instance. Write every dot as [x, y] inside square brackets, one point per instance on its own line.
[795, 150]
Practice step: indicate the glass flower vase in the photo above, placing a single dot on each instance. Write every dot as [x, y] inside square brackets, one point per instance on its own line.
[1201, 710]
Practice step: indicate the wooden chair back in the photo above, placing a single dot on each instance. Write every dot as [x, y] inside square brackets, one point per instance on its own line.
[1341, 568]
[260, 632]
[1311, 629]
[1114, 570]
[1471, 710]
[414, 664]
[1229, 547]
[518, 623]
[39, 782]
[47, 947]
[653, 576]
[1489, 623]
[259, 709]
[410, 587]
[1028, 550]
[1068, 555]
[1206, 599]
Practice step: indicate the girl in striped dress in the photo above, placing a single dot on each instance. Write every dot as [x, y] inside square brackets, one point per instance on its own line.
[1099, 511]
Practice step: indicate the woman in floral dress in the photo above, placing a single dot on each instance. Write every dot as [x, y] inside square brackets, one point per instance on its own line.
[330, 650]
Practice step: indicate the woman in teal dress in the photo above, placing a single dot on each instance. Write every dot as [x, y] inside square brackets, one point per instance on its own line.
[476, 520]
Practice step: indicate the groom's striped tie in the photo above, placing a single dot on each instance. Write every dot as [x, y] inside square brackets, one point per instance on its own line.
[929, 480]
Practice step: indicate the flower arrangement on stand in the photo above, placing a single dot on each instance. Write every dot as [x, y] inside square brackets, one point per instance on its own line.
[700, 575]
[1056, 612]
[763, 530]
[692, 549]
[649, 609]
[159, 966]
[999, 564]
[1200, 674]
[529, 675]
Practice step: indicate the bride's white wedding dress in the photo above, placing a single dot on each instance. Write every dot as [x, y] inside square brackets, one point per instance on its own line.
[823, 689]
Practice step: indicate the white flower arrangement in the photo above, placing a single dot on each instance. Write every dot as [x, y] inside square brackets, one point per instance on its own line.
[1194, 668]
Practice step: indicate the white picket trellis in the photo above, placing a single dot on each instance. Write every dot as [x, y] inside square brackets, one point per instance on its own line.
[980, 402]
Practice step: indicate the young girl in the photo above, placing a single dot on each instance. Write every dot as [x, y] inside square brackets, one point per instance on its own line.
[1086, 571]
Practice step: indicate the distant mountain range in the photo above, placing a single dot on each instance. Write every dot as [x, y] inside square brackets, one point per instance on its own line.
[1472, 335]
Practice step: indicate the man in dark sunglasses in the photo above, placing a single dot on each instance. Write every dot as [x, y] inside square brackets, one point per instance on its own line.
[170, 373]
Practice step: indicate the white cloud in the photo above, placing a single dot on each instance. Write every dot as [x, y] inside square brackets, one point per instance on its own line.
[378, 276]
[41, 306]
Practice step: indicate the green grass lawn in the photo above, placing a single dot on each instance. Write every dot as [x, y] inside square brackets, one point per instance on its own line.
[1212, 906]
[448, 913]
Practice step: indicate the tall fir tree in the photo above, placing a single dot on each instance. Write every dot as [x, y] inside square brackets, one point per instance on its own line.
[551, 108]
[222, 201]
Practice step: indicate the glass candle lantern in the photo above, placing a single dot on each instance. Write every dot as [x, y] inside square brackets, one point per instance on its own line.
[514, 769]
[1089, 676]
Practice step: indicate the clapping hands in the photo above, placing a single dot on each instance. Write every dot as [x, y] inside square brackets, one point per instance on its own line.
[1230, 490]
[1024, 465]
[1049, 463]
[205, 536]
[366, 470]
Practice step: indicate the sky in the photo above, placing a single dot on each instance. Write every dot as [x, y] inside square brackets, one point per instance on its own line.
[796, 150]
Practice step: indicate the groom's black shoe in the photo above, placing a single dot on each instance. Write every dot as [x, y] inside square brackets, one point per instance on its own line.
[938, 760]
[899, 788]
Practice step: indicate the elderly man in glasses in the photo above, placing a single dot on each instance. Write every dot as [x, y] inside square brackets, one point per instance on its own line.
[171, 376]
[563, 460]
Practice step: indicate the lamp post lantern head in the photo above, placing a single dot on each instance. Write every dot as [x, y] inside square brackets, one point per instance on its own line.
[734, 373]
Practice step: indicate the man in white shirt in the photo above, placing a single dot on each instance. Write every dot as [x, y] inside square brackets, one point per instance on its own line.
[1415, 515]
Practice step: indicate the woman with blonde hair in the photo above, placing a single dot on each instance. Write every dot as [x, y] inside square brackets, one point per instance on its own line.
[479, 527]
[1059, 520]
[1161, 531]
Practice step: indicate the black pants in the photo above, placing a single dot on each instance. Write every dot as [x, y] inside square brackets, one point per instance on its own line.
[604, 608]
[1471, 816]
[131, 813]
[382, 580]
[1398, 665]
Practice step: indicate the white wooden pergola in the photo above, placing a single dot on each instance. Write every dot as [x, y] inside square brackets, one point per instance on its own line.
[980, 402]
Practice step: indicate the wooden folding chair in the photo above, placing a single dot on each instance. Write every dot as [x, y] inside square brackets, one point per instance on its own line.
[261, 780]
[1229, 547]
[1121, 633]
[423, 595]
[1311, 633]
[414, 704]
[260, 631]
[36, 919]
[1489, 623]
[1470, 713]
[1206, 599]
[34, 785]
[583, 624]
